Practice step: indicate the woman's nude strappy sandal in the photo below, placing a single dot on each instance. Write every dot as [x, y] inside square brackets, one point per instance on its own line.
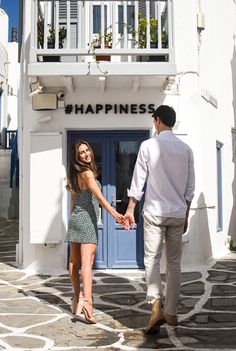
[88, 317]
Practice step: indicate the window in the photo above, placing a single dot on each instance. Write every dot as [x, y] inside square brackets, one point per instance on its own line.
[130, 18]
[219, 186]
[97, 18]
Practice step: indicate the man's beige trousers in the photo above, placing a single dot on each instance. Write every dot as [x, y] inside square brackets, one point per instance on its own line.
[156, 230]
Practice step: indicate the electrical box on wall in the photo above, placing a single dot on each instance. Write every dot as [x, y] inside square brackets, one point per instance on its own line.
[44, 102]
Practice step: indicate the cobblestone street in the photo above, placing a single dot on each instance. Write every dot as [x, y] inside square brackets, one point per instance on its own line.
[35, 312]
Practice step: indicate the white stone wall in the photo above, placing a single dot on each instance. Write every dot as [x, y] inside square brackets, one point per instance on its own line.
[206, 73]
[13, 81]
[3, 66]
[4, 22]
[9, 75]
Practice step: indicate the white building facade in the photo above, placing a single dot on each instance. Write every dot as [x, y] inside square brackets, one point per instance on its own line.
[183, 59]
[9, 84]
[9, 76]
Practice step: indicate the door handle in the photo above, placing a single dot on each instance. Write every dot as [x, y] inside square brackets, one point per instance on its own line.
[114, 201]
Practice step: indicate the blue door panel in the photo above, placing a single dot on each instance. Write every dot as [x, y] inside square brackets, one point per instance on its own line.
[125, 247]
[117, 248]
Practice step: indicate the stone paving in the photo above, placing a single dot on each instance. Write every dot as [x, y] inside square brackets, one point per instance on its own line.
[35, 312]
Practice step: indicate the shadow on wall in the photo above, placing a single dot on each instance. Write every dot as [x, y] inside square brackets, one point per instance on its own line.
[232, 224]
[198, 250]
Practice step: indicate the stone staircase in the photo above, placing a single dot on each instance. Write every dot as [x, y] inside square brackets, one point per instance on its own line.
[9, 198]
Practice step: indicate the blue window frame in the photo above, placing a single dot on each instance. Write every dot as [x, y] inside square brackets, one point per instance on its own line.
[219, 186]
[130, 18]
[97, 18]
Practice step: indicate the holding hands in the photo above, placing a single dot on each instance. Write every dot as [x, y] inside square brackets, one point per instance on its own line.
[129, 220]
[126, 220]
[119, 218]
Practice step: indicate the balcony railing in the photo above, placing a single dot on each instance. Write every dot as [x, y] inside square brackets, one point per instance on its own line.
[77, 31]
[7, 138]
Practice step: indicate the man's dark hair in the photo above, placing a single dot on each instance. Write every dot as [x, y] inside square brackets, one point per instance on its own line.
[166, 114]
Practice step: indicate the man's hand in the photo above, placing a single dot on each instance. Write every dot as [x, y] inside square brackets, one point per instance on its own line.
[129, 215]
[129, 220]
[186, 218]
[185, 225]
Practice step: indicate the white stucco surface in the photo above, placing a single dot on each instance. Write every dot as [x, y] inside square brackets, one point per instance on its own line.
[9, 75]
[205, 107]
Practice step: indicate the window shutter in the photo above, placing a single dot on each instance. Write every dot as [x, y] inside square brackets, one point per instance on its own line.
[142, 7]
[63, 12]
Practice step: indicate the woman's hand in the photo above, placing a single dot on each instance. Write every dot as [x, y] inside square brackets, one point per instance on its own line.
[119, 217]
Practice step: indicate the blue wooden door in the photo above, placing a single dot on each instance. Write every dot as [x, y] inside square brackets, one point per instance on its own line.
[115, 155]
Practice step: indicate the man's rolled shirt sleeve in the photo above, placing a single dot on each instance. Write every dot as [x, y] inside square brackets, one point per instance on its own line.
[190, 187]
[139, 174]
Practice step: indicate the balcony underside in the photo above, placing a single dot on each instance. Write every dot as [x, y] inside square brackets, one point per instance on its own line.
[101, 68]
[101, 83]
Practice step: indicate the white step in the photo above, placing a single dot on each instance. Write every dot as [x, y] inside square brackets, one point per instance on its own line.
[4, 183]
[9, 198]
[5, 192]
[4, 203]
[4, 214]
[5, 163]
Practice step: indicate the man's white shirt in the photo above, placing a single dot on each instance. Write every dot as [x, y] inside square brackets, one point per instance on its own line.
[167, 164]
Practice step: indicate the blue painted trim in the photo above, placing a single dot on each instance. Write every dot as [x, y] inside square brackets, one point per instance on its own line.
[219, 187]
[14, 167]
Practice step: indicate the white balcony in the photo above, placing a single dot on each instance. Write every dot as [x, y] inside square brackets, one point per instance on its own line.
[70, 37]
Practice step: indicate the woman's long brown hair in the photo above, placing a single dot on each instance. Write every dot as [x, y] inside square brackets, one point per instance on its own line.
[75, 166]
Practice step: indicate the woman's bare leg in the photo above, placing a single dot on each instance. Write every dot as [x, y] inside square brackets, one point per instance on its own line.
[88, 252]
[74, 264]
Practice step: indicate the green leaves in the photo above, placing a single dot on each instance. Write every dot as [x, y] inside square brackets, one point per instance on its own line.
[51, 34]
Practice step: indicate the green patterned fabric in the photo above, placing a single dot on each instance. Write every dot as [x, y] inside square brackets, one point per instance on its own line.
[82, 227]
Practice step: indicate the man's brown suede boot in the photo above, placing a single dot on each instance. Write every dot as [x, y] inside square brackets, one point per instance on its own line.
[157, 318]
[171, 319]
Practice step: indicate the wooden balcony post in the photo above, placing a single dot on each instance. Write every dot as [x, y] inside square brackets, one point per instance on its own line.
[68, 24]
[136, 22]
[125, 29]
[102, 25]
[114, 25]
[56, 24]
[34, 31]
[148, 37]
[170, 14]
[159, 24]
[45, 28]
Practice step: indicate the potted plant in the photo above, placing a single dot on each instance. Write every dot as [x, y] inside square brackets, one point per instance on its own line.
[142, 31]
[96, 44]
[50, 39]
[142, 37]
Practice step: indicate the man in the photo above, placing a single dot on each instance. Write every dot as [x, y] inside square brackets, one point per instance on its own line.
[166, 163]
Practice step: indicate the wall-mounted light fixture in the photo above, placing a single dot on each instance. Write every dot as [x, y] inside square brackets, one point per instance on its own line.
[171, 86]
[35, 88]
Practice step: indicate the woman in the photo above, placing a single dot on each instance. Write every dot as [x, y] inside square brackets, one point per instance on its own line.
[82, 229]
